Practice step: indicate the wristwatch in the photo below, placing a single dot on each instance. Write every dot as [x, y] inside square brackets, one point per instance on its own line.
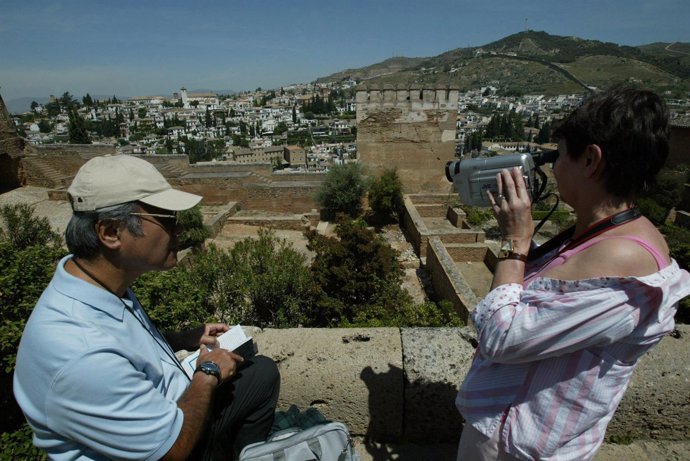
[210, 368]
[507, 251]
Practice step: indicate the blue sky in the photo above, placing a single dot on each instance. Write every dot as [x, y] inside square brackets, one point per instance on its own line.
[154, 47]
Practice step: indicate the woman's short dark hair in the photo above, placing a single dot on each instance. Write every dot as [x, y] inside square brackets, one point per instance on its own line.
[630, 126]
[80, 235]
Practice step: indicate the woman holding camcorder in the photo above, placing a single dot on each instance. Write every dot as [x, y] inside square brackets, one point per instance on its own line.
[564, 325]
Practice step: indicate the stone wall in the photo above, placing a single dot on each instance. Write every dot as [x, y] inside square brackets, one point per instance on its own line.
[252, 186]
[420, 206]
[411, 129]
[55, 165]
[11, 150]
[180, 161]
[10, 142]
[447, 282]
[250, 192]
[400, 384]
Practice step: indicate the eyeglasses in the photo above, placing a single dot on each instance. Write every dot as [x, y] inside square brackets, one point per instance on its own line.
[175, 217]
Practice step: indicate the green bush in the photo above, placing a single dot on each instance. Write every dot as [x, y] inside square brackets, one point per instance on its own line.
[29, 251]
[360, 280]
[262, 282]
[652, 210]
[477, 216]
[678, 239]
[342, 191]
[275, 281]
[664, 194]
[22, 229]
[562, 219]
[385, 197]
[18, 445]
[194, 232]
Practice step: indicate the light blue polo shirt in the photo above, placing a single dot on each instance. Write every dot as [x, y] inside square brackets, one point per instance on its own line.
[92, 382]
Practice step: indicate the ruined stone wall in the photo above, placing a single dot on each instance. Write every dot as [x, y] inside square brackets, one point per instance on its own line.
[11, 150]
[410, 129]
[250, 193]
[10, 142]
[298, 198]
[83, 151]
[263, 169]
[180, 161]
[447, 282]
[55, 165]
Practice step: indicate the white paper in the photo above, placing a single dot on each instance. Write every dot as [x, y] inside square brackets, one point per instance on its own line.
[230, 340]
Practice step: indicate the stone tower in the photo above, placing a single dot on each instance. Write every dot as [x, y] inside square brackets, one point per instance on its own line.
[11, 150]
[183, 96]
[411, 129]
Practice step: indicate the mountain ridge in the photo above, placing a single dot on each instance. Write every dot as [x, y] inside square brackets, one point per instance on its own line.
[535, 61]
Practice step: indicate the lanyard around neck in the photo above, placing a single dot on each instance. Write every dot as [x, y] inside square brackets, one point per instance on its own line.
[166, 346]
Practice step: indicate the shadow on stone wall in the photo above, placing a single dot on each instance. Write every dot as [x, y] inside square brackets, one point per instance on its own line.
[381, 428]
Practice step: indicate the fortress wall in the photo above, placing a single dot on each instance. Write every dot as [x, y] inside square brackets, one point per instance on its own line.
[10, 142]
[297, 177]
[263, 169]
[413, 226]
[412, 130]
[180, 161]
[463, 236]
[82, 151]
[432, 210]
[467, 252]
[250, 193]
[447, 282]
[292, 199]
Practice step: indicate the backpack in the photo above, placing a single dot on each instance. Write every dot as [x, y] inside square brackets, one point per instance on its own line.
[311, 437]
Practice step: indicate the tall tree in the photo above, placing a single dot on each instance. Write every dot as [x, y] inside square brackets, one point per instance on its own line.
[342, 191]
[67, 101]
[77, 129]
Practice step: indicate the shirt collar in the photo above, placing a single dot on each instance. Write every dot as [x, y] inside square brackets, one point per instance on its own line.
[87, 293]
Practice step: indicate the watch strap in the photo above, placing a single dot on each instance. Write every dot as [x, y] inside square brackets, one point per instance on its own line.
[209, 368]
[513, 255]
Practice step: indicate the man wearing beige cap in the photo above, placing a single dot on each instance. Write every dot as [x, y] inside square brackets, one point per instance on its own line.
[94, 377]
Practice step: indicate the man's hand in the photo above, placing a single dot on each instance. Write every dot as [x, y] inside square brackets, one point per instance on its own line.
[226, 360]
[211, 330]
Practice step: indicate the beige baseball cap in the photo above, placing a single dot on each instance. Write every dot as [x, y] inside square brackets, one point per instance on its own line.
[115, 179]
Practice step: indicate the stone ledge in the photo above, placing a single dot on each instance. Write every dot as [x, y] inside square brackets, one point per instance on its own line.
[392, 384]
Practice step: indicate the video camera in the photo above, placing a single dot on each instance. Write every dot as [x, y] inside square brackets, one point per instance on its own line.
[473, 177]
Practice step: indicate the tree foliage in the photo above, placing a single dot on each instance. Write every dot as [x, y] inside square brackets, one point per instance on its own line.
[22, 229]
[342, 191]
[506, 127]
[262, 281]
[29, 251]
[194, 232]
[360, 280]
[474, 140]
[318, 105]
[77, 129]
[666, 193]
[386, 197]
[678, 239]
[544, 134]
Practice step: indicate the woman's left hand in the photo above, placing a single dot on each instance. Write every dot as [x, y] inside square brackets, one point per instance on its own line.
[512, 208]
